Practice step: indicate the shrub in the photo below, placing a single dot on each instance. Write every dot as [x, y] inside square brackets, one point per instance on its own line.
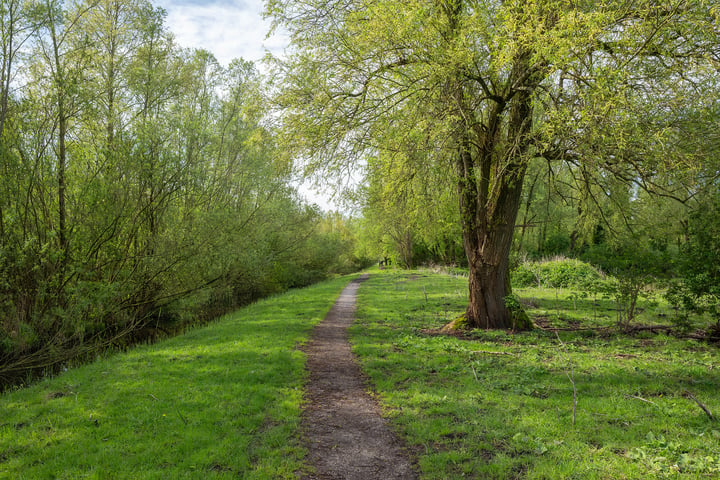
[697, 289]
[555, 273]
[524, 275]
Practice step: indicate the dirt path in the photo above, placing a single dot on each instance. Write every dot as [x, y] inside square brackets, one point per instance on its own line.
[346, 436]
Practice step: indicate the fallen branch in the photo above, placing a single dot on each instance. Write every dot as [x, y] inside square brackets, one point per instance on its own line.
[650, 328]
[490, 352]
[700, 404]
[641, 399]
[573, 329]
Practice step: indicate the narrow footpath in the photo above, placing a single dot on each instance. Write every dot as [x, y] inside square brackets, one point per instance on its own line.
[346, 436]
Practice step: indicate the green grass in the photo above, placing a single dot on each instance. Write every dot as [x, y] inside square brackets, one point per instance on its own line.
[224, 401]
[573, 308]
[219, 402]
[501, 405]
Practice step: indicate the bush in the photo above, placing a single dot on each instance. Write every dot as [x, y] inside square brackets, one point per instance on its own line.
[697, 289]
[556, 273]
[524, 275]
[557, 243]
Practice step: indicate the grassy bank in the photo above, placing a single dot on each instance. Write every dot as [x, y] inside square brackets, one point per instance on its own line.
[535, 405]
[219, 402]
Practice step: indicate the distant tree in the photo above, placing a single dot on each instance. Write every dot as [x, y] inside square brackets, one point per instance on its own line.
[410, 207]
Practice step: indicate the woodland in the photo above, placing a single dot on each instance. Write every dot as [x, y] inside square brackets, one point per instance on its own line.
[145, 188]
[530, 225]
[141, 188]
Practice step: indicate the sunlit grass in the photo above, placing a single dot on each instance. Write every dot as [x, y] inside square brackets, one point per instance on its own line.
[219, 402]
[501, 405]
[225, 401]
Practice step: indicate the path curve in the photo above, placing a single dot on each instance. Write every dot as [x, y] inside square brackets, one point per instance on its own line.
[346, 436]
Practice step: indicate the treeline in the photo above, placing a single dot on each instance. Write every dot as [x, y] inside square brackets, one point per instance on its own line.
[409, 210]
[140, 188]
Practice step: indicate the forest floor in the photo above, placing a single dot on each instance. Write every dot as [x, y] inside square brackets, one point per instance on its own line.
[573, 398]
[346, 435]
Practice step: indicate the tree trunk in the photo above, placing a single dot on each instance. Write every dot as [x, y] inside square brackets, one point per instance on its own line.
[405, 244]
[60, 80]
[61, 170]
[488, 287]
[489, 273]
[491, 165]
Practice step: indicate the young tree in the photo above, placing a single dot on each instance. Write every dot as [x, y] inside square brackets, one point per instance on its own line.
[114, 31]
[492, 85]
[17, 26]
[15, 30]
[63, 58]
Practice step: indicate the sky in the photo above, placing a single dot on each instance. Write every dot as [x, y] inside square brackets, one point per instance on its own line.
[228, 28]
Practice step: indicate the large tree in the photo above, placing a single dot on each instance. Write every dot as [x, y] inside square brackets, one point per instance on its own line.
[490, 85]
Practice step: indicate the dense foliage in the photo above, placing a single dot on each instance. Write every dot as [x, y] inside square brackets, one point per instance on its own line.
[611, 96]
[140, 189]
[697, 287]
[560, 273]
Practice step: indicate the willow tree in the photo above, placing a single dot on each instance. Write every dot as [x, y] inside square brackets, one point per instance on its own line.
[491, 85]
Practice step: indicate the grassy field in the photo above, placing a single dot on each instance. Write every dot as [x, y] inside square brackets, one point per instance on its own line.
[219, 402]
[224, 401]
[577, 404]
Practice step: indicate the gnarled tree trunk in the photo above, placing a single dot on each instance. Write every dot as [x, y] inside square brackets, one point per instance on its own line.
[487, 246]
[491, 165]
[489, 281]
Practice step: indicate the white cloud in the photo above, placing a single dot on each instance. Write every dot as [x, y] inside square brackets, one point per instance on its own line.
[229, 29]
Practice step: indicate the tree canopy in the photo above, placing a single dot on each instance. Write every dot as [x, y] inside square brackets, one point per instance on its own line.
[617, 90]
